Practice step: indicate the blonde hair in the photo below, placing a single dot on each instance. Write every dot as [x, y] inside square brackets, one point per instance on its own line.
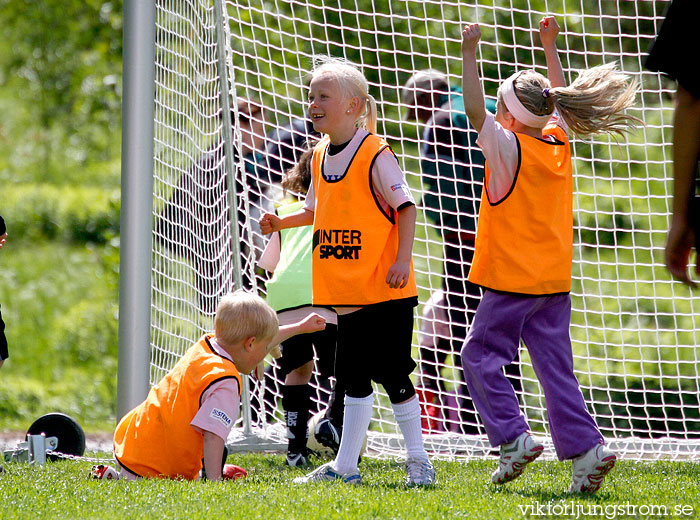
[353, 84]
[592, 104]
[242, 315]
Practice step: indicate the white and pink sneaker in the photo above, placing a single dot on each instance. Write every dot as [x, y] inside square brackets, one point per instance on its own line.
[590, 469]
[515, 456]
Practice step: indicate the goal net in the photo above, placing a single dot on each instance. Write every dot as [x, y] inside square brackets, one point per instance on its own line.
[634, 331]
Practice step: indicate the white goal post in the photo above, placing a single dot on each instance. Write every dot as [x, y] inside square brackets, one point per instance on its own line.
[634, 331]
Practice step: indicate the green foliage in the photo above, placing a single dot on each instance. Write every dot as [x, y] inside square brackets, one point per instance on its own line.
[63, 490]
[61, 85]
[59, 212]
[59, 303]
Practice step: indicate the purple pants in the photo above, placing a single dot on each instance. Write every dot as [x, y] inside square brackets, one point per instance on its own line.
[501, 321]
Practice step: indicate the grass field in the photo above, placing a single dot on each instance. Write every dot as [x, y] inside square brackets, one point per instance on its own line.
[633, 490]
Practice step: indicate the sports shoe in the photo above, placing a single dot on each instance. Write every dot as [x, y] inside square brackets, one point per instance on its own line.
[419, 472]
[233, 472]
[515, 456]
[296, 460]
[328, 435]
[590, 469]
[104, 472]
[430, 414]
[326, 473]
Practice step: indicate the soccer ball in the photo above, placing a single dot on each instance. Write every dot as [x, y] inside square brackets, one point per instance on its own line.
[314, 445]
[311, 442]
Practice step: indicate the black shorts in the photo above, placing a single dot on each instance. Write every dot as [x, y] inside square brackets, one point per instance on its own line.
[299, 350]
[374, 343]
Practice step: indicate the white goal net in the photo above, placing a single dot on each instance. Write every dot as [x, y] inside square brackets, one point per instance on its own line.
[634, 331]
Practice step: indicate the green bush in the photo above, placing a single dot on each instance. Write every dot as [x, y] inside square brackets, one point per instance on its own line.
[56, 212]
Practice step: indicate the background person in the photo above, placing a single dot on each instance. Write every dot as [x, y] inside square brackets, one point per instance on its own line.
[195, 220]
[4, 354]
[667, 55]
[452, 166]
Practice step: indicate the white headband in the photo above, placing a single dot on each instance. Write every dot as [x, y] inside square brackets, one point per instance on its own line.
[515, 106]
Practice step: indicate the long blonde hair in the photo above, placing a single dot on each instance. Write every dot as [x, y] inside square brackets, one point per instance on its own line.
[353, 84]
[592, 104]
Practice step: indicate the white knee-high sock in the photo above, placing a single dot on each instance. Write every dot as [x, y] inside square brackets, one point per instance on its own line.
[407, 415]
[358, 414]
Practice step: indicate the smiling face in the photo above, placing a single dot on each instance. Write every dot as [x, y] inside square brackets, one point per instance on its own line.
[330, 110]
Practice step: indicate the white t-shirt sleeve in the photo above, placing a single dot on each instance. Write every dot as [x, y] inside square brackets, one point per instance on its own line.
[390, 184]
[219, 409]
[500, 148]
[310, 200]
[270, 256]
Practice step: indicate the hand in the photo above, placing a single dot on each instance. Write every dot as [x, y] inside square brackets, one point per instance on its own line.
[470, 37]
[549, 29]
[680, 241]
[312, 323]
[259, 371]
[398, 275]
[269, 223]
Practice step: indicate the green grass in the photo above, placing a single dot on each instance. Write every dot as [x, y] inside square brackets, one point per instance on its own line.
[63, 490]
[59, 301]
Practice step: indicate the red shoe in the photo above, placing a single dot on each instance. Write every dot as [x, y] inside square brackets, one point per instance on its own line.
[232, 472]
[430, 414]
[103, 472]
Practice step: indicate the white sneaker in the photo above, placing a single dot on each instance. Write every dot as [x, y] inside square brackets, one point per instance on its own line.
[295, 460]
[590, 469]
[515, 456]
[419, 472]
[327, 473]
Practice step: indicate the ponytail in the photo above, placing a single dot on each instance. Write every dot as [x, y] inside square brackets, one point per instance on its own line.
[592, 104]
[595, 101]
[368, 120]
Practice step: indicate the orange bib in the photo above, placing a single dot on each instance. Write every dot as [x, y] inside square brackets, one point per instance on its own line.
[156, 439]
[524, 243]
[355, 242]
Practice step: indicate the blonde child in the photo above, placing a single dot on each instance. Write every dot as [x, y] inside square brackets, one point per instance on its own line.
[524, 252]
[364, 221]
[288, 257]
[181, 428]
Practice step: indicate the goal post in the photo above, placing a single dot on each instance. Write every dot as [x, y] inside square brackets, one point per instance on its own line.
[633, 330]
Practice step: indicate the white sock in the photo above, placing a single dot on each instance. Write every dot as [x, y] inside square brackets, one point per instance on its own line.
[408, 417]
[358, 414]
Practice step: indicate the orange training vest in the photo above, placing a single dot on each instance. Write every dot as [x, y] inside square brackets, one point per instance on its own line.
[524, 243]
[155, 439]
[355, 242]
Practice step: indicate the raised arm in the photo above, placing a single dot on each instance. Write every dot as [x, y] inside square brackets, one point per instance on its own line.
[549, 29]
[471, 84]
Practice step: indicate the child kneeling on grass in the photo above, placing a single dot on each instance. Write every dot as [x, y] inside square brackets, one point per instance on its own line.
[180, 430]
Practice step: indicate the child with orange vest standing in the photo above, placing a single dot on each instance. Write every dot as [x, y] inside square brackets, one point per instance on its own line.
[180, 430]
[524, 250]
[364, 222]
